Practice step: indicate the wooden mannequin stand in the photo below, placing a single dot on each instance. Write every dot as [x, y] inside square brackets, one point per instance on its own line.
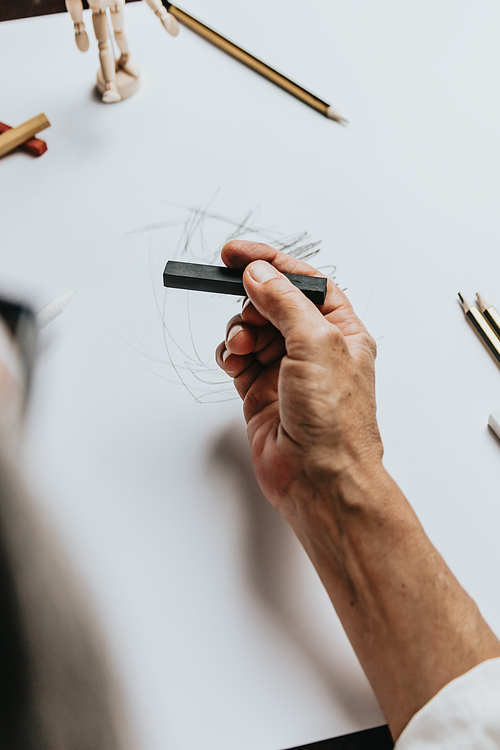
[116, 79]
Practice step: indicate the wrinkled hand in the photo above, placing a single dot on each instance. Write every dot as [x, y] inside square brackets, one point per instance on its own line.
[305, 375]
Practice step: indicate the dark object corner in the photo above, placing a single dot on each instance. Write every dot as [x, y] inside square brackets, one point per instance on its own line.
[378, 738]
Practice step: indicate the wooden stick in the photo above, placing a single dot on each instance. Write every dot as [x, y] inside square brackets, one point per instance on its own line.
[253, 62]
[14, 137]
[35, 146]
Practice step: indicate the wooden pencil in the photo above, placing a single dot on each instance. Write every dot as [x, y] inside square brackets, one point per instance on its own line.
[254, 63]
[489, 313]
[482, 327]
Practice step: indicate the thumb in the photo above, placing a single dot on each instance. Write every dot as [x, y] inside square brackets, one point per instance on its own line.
[280, 302]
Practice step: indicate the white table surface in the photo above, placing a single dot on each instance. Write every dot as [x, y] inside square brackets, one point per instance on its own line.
[223, 635]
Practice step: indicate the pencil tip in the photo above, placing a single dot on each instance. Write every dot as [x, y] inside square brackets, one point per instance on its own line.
[466, 305]
[483, 304]
[332, 115]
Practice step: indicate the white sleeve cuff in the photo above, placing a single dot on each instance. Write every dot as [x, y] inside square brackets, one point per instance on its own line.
[464, 715]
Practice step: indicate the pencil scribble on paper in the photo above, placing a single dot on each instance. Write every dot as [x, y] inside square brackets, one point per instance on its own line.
[197, 235]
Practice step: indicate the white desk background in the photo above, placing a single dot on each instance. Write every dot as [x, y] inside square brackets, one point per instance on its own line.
[222, 634]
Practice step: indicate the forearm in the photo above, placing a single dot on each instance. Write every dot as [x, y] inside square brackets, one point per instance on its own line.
[413, 627]
[307, 380]
[75, 9]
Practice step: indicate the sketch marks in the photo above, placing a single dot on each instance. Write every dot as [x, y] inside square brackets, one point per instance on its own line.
[192, 326]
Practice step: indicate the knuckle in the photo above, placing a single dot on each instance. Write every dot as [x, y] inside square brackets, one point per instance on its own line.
[370, 345]
[233, 321]
[328, 337]
[319, 339]
[282, 298]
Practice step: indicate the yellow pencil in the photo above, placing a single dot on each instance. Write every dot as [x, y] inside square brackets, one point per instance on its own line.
[254, 63]
[482, 327]
[489, 313]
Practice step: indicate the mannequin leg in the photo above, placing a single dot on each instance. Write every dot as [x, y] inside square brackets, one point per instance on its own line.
[118, 20]
[106, 57]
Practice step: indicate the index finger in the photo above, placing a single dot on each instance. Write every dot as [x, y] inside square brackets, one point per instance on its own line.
[239, 253]
[337, 308]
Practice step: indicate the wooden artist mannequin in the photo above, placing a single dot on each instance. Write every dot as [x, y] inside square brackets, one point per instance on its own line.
[116, 79]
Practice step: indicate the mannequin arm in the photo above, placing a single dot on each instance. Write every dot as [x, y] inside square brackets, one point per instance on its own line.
[75, 9]
[167, 19]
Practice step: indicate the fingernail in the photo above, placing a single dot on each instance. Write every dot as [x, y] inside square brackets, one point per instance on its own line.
[234, 331]
[245, 304]
[261, 271]
[225, 354]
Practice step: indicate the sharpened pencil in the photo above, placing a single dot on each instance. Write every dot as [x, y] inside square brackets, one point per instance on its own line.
[254, 63]
[482, 326]
[489, 313]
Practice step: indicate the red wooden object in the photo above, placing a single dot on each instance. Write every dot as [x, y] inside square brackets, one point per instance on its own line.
[35, 146]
